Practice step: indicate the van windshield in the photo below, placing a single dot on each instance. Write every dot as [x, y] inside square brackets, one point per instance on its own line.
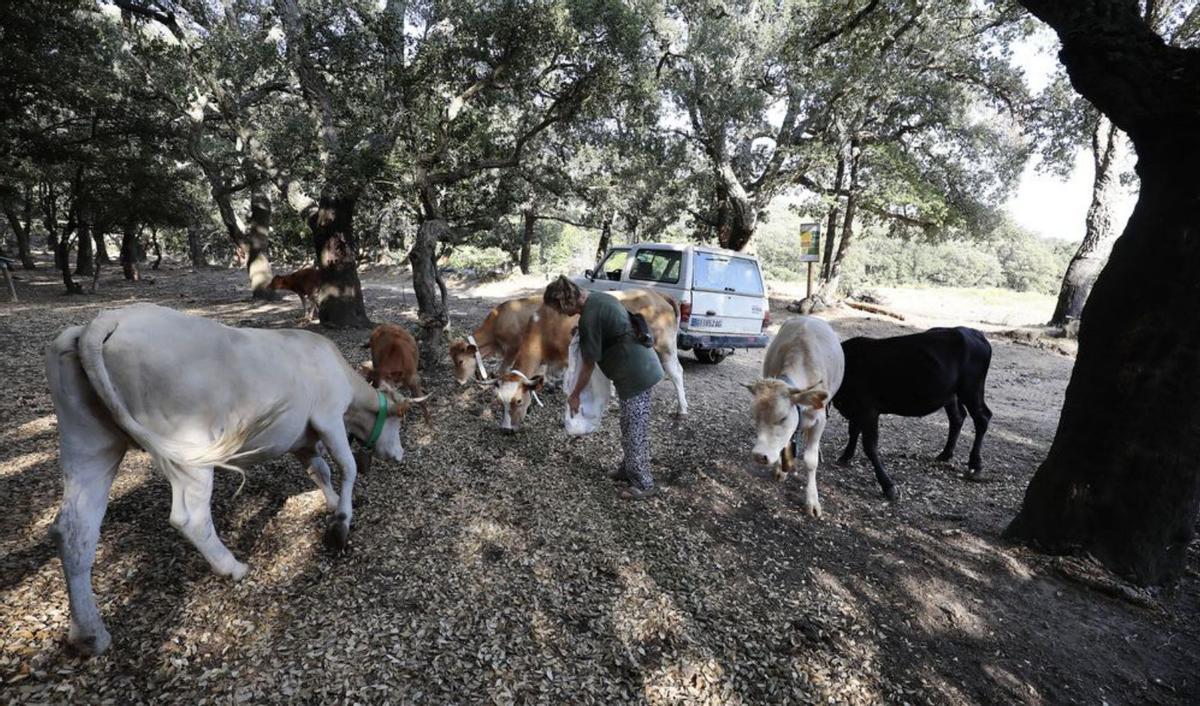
[725, 273]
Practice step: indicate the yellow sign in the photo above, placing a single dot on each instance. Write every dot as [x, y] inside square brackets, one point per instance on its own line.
[810, 243]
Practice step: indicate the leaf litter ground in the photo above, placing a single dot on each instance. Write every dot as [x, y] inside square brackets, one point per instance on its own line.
[489, 568]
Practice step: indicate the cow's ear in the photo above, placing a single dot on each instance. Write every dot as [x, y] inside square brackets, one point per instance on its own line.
[535, 384]
[472, 348]
[810, 397]
[751, 386]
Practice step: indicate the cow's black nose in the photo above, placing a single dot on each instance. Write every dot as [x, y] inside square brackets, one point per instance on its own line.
[507, 431]
[760, 459]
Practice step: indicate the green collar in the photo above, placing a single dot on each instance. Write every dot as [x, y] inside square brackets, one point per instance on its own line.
[380, 417]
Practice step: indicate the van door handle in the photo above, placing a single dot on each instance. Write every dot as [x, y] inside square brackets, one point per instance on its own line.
[710, 312]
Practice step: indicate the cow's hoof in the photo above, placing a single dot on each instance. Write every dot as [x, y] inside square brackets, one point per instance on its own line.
[892, 493]
[844, 460]
[974, 475]
[943, 457]
[239, 571]
[813, 510]
[780, 475]
[90, 645]
[336, 534]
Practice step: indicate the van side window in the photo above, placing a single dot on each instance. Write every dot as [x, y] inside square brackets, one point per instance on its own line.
[657, 266]
[613, 265]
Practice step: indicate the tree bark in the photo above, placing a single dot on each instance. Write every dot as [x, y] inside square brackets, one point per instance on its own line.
[1099, 232]
[831, 225]
[21, 231]
[98, 233]
[195, 247]
[431, 303]
[737, 215]
[250, 243]
[129, 251]
[154, 243]
[829, 286]
[605, 235]
[85, 264]
[257, 245]
[1121, 480]
[530, 221]
[339, 300]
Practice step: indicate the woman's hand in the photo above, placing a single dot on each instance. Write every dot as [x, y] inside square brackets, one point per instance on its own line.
[573, 403]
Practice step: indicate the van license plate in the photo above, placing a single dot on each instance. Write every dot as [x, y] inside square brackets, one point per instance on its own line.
[702, 322]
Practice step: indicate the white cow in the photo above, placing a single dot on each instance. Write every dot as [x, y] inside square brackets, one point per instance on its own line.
[196, 395]
[802, 371]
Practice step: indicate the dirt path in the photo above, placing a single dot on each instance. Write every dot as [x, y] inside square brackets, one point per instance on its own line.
[503, 568]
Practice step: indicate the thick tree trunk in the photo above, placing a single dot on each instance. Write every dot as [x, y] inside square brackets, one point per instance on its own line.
[340, 299]
[21, 231]
[62, 256]
[257, 245]
[129, 251]
[84, 262]
[98, 234]
[251, 244]
[737, 216]
[431, 303]
[154, 243]
[530, 223]
[195, 247]
[1100, 231]
[1122, 481]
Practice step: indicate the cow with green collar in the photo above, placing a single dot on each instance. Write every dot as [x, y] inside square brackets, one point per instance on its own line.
[197, 395]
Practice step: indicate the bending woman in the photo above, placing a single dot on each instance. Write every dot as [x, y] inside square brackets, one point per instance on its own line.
[606, 339]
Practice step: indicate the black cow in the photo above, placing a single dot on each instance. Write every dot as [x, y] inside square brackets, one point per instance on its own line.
[913, 376]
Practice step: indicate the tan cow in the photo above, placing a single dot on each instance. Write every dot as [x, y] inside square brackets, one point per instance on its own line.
[547, 339]
[499, 335]
[197, 395]
[394, 361]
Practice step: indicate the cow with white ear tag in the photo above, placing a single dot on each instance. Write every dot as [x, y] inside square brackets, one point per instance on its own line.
[802, 371]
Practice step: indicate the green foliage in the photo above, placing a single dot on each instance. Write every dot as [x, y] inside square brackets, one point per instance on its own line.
[1010, 258]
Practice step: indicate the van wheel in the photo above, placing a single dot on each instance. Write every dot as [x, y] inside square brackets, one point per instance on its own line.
[710, 356]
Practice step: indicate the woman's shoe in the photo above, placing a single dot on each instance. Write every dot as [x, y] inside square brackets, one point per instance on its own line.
[635, 493]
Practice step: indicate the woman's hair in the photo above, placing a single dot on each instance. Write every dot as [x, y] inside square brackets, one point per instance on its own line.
[561, 293]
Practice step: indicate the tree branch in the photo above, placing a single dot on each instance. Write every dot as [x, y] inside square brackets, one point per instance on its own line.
[848, 27]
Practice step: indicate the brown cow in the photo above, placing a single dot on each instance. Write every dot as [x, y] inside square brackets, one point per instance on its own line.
[304, 282]
[499, 334]
[547, 339]
[394, 361]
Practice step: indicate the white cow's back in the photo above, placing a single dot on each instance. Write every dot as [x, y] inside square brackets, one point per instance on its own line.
[807, 350]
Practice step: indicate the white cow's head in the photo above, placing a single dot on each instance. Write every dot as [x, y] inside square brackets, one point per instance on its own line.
[388, 446]
[515, 391]
[776, 416]
[462, 354]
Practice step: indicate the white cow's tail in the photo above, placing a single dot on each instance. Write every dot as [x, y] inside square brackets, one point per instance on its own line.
[169, 455]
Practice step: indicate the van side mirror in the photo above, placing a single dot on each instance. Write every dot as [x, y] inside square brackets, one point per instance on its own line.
[590, 275]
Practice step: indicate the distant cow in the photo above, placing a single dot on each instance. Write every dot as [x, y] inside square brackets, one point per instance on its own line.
[196, 395]
[802, 369]
[912, 376]
[304, 282]
[499, 334]
[547, 339]
[394, 361]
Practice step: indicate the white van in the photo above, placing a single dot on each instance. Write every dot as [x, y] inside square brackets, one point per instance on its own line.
[722, 300]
